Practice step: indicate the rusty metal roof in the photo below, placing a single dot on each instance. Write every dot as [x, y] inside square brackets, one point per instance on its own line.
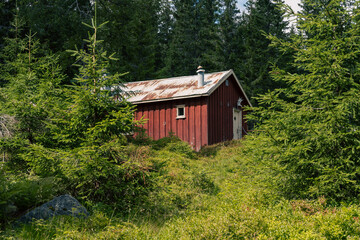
[175, 88]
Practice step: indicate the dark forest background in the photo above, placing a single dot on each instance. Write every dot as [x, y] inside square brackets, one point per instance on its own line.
[157, 38]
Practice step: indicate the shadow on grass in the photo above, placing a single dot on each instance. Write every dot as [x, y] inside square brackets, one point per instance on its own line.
[212, 150]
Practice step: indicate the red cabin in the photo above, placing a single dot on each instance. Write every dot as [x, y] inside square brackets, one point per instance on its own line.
[202, 109]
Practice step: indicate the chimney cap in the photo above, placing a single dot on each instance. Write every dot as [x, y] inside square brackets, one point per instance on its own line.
[200, 69]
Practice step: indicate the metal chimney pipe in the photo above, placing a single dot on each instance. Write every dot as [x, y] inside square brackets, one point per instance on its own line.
[201, 73]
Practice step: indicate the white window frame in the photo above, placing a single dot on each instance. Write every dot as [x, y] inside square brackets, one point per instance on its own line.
[177, 112]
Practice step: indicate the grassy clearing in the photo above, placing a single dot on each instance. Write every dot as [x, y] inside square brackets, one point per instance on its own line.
[220, 193]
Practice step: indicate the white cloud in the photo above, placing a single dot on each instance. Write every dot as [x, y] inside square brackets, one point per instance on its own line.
[294, 4]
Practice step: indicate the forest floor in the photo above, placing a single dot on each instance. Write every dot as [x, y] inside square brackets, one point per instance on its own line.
[219, 193]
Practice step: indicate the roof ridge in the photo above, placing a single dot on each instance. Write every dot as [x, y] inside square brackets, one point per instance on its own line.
[161, 79]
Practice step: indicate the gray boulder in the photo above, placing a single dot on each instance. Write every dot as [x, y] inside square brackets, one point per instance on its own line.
[62, 205]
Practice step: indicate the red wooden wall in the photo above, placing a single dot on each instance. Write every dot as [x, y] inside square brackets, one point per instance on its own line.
[162, 120]
[220, 110]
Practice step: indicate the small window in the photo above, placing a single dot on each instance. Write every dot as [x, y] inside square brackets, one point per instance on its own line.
[227, 82]
[180, 109]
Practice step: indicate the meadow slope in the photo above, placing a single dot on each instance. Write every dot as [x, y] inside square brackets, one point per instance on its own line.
[219, 193]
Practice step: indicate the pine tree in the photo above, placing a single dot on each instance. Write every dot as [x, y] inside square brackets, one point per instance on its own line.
[310, 130]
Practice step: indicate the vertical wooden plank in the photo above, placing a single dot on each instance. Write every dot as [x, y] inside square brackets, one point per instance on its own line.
[162, 123]
[168, 119]
[218, 117]
[179, 127]
[192, 124]
[197, 126]
[228, 100]
[146, 119]
[211, 119]
[173, 119]
[204, 123]
[222, 120]
[232, 105]
[236, 96]
[151, 122]
[208, 120]
[218, 114]
[186, 121]
[213, 124]
[156, 122]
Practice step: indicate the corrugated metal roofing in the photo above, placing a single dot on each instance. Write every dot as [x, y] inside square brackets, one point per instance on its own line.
[174, 88]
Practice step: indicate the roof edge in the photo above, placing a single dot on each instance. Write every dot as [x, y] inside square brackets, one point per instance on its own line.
[167, 99]
[238, 82]
[226, 76]
[169, 78]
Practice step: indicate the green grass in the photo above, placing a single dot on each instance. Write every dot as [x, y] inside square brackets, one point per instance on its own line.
[219, 193]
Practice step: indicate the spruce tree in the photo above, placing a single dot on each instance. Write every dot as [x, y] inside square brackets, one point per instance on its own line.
[165, 35]
[230, 22]
[262, 17]
[96, 112]
[132, 35]
[7, 9]
[310, 130]
[182, 50]
[12, 46]
[209, 42]
[57, 25]
[31, 81]
[88, 132]
[195, 39]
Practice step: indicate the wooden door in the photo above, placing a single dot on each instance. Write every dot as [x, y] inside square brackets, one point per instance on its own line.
[237, 123]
